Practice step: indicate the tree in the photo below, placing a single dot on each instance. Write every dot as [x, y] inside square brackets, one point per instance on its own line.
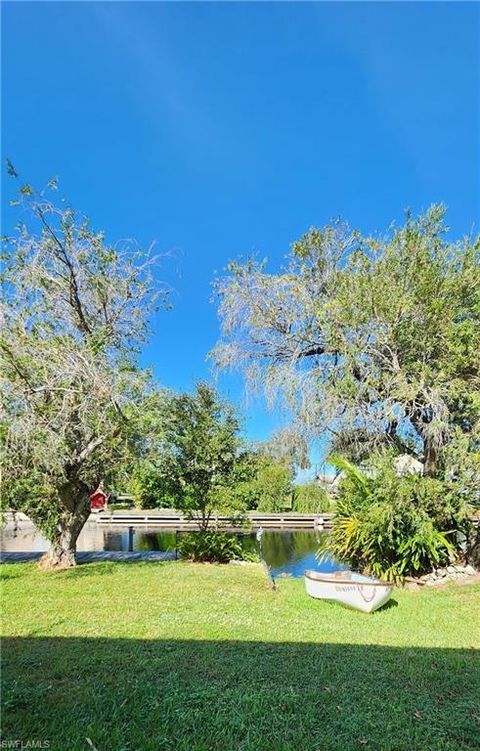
[358, 444]
[147, 486]
[310, 498]
[288, 447]
[243, 490]
[260, 481]
[74, 314]
[274, 486]
[379, 334]
[199, 453]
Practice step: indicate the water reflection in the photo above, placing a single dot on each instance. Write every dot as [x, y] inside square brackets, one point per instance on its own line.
[292, 552]
[285, 551]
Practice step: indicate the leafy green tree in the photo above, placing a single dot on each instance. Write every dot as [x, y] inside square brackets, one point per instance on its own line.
[199, 453]
[261, 481]
[243, 491]
[147, 486]
[73, 313]
[377, 334]
[274, 486]
[310, 498]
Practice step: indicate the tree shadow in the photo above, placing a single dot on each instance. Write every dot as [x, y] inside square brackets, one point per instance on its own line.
[15, 572]
[186, 695]
[101, 568]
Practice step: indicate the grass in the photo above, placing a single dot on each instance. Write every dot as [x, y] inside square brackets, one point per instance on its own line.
[184, 657]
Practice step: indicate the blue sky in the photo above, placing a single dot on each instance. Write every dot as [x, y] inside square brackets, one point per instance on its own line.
[218, 129]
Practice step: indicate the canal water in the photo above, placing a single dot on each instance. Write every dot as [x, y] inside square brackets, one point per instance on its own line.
[287, 552]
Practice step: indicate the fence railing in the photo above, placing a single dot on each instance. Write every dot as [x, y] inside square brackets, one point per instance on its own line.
[169, 519]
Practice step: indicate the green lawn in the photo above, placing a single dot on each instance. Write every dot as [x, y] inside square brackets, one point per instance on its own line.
[183, 657]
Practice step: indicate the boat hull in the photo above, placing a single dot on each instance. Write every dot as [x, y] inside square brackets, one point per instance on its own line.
[349, 589]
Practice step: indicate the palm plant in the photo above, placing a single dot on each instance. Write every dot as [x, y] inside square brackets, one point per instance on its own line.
[390, 526]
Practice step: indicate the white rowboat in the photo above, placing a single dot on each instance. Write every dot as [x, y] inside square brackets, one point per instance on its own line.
[348, 588]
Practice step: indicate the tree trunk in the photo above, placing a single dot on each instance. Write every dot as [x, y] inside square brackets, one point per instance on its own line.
[63, 545]
[473, 548]
[431, 449]
[431, 453]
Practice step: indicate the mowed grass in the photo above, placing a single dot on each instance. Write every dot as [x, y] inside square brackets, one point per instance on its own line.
[183, 657]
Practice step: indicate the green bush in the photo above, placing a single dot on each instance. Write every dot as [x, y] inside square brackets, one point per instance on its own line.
[393, 526]
[213, 547]
[310, 499]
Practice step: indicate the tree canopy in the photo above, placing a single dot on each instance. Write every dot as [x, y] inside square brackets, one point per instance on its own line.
[370, 336]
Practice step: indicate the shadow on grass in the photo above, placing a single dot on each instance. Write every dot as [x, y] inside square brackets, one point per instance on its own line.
[99, 568]
[139, 695]
[391, 603]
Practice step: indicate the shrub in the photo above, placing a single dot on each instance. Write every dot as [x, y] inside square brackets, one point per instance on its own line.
[393, 526]
[310, 499]
[213, 547]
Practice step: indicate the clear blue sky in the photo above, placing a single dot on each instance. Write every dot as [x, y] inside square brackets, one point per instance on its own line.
[216, 129]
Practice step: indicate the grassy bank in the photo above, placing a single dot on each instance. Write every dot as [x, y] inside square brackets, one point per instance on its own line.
[182, 657]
